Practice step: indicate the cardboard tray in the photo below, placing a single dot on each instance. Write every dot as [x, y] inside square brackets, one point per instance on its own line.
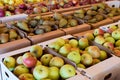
[13, 45]
[105, 71]
[6, 74]
[46, 36]
[77, 29]
[101, 23]
[116, 18]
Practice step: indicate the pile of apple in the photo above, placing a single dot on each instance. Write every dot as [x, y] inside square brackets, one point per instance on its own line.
[7, 35]
[109, 38]
[39, 65]
[79, 51]
[37, 8]
[96, 13]
[39, 25]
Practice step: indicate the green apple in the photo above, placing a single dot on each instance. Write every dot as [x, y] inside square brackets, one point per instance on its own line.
[110, 39]
[40, 72]
[103, 55]
[73, 42]
[19, 60]
[36, 50]
[94, 51]
[99, 39]
[109, 45]
[8, 13]
[38, 63]
[113, 27]
[117, 43]
[54, 73]
[86, 59]
[84, 52]
[107, 35]
[116, 34]
[64, 50]
[95, 61]
[81, 66]
[26, 76]
[60, 41]
[20, 69]
[67, 71]
[74, 56]
[45, 59]
[83, 43]
[57, 62]
[55, 46]
[98, 32]
[89, 36]
[9, 62]
[75, 49]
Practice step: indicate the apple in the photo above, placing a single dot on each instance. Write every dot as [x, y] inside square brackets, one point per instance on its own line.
[103, 55]
[67, 71]
[9, 62]
[20, 69]
[44, 9]
[107, 35]
[75, 49]
[2, 13]
[60, 41]
[18, 11]
[116, 34]
[40, 72]
[84, 2]
[36, 50]
[64, 50]
[29, 60]
[113, 27]
[38, 63]
[57, 62]
[19, 60]
[86, 59]
[37, 10]
[74, 2]
[94, 51]
[117, 43]
[53, 73]
[66, 1]
[45, 59]
[98, 32]
[26, 76]
[23, 6]
[61, 3]
[99, 39]
[110, 39]
[89, 36]
[81, 66]
[117, 52]
[8, 13]
[109, 45]
[83, 43]
[95, 61]
[73, 42]
[74, 56]
[11, 8]
[55, 46]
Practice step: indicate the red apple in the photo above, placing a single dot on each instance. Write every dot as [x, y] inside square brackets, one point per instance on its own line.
[23, 6]
[19, 11]
[109, 45]
[2, 13]
[29, 60]
[98, 32]
[84, 2]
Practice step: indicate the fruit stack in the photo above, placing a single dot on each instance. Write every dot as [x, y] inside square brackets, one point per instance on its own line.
[10, 36]
[35, 63]
[107, 36]
[79, 51]
[97, 13]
